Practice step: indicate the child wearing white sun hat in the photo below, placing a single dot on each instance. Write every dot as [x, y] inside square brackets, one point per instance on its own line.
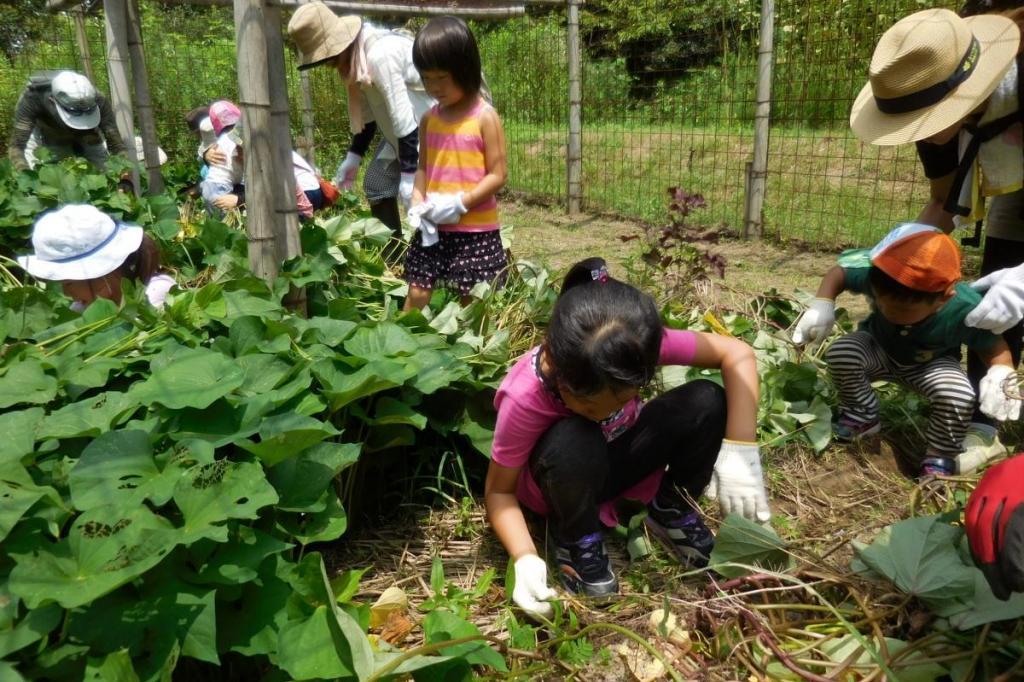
[90, 253]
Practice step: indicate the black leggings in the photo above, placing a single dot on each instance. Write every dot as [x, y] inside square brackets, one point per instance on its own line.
[576, 469]
[999, 254]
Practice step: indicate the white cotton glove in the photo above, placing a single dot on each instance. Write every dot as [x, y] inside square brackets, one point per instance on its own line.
[417, 221]
[816, 323]
[347, 171]
[1003, 305]
[447, 208]
[994, 401]
[531, 592]
[405, 187]
[712, 490]
[739, 483]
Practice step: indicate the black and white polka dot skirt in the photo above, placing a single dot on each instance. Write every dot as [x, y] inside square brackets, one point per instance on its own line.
[458, 260]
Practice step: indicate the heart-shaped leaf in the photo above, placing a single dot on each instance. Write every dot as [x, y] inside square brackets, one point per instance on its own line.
[106, 547]
[209, 494]
[195, 378]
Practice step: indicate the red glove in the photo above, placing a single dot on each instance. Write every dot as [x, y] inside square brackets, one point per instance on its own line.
[995, 526]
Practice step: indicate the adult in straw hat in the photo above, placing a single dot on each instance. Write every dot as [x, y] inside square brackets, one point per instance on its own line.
[950, 84]
[384, 93]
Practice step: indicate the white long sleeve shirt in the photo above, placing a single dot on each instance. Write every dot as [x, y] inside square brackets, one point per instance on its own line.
[395, 99]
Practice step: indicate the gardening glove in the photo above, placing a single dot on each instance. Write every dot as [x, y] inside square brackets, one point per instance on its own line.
[995, 526]
[405, 187]
[347, 171]
[428, 230]
[739, 483]
[531, 592]
[816, 323]
[447, 208]
[1003, 305]
[992, 394]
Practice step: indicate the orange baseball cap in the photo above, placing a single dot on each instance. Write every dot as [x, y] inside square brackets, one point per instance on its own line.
[919, 257]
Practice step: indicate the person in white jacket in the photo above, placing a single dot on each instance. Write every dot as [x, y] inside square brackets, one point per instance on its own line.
[384, 94]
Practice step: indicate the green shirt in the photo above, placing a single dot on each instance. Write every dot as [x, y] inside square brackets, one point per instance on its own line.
[939, 334]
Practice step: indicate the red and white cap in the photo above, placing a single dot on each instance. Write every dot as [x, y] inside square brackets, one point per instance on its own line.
[223, 114]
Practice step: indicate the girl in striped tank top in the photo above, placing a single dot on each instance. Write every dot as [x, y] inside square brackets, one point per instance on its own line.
[461, 168]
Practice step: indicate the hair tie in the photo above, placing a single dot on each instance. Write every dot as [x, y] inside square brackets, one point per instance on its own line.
[600, 275]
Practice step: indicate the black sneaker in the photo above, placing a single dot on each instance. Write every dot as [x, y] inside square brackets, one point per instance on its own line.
[682, 531]
[584, 567]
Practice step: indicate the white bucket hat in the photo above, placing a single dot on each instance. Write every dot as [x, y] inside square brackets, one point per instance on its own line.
[79, 242]
[929, 71]
[75, 98]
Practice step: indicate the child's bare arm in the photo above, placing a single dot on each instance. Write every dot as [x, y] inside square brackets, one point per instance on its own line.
[739, 375]
[997, 354]
[494, 158]
[419, 186]
[832, 284]
[504, 512]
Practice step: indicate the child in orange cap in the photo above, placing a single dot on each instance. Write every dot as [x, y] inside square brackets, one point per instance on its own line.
[912, 336]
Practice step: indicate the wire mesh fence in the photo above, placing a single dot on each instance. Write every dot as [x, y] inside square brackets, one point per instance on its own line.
[668, 100]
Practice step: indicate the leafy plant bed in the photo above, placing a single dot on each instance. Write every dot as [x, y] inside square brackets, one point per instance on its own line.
[167, 476]
[178, 489]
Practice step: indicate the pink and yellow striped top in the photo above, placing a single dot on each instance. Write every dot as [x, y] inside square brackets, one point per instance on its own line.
[455, 162]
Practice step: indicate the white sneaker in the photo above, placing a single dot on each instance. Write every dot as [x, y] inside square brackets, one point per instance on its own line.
[980, 446]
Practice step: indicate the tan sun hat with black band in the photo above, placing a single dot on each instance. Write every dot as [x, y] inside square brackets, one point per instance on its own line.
[320, 34]
[929, 71]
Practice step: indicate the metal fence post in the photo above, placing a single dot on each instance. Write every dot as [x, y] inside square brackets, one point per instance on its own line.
[574, 148]
[754, 223]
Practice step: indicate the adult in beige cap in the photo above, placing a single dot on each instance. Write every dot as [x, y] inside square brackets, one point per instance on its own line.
[950, 84]
[384, 93]
[63, 112]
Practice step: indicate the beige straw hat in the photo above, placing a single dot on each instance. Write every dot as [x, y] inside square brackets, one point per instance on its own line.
[929, 71]
[320, 34]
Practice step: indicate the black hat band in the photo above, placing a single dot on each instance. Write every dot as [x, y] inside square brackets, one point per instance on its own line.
[933, 94]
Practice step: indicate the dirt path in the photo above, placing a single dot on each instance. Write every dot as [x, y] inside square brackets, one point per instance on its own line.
[548, 237]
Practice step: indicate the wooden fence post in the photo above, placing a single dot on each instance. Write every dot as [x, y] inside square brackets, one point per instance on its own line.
[258, 144]
[147, 123]
[286, 224]
[574, 148]
[116, 19]
[754, 210]
[82, 39]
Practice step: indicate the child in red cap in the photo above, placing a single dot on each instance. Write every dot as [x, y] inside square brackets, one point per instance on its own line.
[912, 336]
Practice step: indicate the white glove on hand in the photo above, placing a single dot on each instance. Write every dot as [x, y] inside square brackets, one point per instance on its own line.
[405, 187]
[428, 230]
[994, 401]
[816, 323]
[447, 208]
[1003, 305]
[739, 483]
[347, 171]
[531, 592]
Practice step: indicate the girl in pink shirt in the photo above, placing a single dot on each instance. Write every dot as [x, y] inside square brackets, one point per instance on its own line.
[573, 437]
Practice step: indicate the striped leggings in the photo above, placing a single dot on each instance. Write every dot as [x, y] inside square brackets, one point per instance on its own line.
[855, 360]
